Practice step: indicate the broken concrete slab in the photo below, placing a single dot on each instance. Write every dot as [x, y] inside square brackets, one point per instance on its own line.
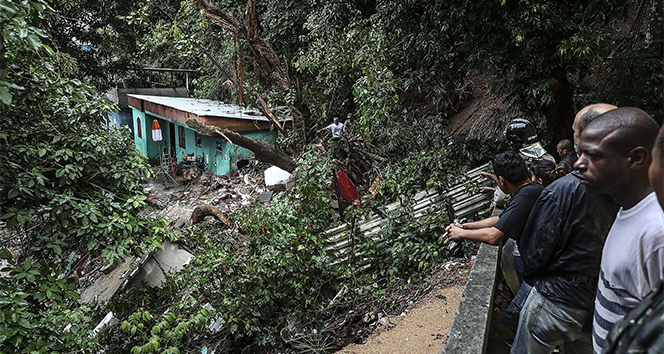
[109, 319]
[265, 196]
[274, 176]
[171, 258]
[106, 285]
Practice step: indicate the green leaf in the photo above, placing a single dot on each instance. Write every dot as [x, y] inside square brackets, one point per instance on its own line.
[5, 254]
[22, 32]
[34, 41]
[7, 7]
[5, 95]
[24, 323]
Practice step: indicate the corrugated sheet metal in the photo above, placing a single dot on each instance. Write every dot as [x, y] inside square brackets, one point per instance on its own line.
[464, 202]
[207, 108]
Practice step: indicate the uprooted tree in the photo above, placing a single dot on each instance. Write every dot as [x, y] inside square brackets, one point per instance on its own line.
[262, 151]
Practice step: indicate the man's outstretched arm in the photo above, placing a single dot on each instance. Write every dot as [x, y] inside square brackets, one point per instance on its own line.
[489, 235]
[488, 222]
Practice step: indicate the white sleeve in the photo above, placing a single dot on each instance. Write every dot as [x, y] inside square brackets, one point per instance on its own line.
[654, 270]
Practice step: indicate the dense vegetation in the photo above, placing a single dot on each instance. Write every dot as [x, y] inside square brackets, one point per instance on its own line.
[71, 188]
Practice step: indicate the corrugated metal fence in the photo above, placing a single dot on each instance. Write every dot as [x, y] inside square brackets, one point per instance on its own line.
[465, 202]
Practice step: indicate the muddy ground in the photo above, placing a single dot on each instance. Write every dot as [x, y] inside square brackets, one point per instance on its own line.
[417, 321]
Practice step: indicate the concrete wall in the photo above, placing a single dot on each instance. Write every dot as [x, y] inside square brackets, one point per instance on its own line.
[119, 95]
[122, 118]
[139, 126]
[469, 333]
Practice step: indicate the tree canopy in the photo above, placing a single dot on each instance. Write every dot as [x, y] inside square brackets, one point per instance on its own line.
[71, 187]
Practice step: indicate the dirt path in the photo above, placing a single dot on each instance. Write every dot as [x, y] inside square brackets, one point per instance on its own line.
[423, 330]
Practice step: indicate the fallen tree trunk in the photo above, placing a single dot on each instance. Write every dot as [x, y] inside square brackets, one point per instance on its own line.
[201, 211]
[263, 152]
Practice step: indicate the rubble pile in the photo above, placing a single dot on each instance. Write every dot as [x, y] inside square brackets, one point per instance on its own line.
[176, 201]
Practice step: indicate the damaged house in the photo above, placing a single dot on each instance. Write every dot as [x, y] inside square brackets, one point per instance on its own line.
[180, 142]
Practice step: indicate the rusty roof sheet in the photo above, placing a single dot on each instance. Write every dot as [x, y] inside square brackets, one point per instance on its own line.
[208, 108]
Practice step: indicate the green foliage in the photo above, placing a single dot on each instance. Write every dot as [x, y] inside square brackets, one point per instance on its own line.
[282, 272]
[163, 334]
[35, 305]
[69, 186]
[69, 183]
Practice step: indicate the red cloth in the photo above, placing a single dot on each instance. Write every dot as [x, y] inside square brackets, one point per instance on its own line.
[346, 188]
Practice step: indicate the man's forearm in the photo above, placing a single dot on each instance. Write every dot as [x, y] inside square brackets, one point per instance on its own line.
[488, 222]
[489, 235]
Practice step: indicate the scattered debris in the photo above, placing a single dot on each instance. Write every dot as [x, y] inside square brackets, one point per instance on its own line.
[169, 259]
[216, 324]
[276, 177]
[265, 196]
[109, 319]
[201, 211]
[105, 286]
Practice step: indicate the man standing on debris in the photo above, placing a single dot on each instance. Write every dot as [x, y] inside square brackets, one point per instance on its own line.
[349, 125]
[335, 128]
[561, 247]
[567, 155]
[615, 157]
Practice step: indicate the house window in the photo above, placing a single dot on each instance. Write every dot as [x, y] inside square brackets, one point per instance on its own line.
[138, 126]
[198, 140]
[181, 138]
[220, 148]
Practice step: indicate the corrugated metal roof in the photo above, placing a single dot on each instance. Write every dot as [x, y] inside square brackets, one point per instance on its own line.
[207, 108]
[464, 202]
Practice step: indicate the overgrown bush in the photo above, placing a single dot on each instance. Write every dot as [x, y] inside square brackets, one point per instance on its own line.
[69, 187]
[279, 280]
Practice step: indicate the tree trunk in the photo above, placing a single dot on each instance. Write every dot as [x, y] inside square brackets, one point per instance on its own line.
[201, 211]
[560, 115]
[263, 152]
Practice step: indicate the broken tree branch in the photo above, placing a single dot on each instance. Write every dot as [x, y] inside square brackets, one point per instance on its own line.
[201, 211]
[263, 152]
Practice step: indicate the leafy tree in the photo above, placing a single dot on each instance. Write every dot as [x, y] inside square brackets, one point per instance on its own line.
[542, 49]
[69, 185]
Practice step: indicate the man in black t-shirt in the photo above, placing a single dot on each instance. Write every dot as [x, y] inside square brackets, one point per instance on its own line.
[513, 177]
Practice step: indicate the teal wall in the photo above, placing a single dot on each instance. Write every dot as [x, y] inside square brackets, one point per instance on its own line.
[221, 161]
[141, 143]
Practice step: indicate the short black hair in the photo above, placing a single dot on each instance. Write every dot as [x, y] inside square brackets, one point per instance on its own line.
[587, 118]
[566, 144]
[510, 166]
[630, 127]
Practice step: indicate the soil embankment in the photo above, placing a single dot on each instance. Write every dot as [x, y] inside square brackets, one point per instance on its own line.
[422, 330]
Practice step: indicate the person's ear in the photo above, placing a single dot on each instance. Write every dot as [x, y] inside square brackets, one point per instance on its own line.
[639, 157]
[501, 182]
